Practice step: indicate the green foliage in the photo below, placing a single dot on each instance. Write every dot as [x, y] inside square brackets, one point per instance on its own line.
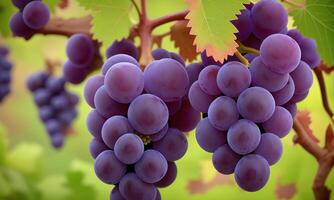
[210, 22]
[6, 11]
[316, 21]
[79, 189]
[52, 4]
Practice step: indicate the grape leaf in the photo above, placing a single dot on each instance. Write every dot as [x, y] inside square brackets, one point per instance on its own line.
[285, 191]
[179, 33]
[111, 19]
[315, 20]
[210, 22]
[6, 11]
[305, 120]
[52, 4]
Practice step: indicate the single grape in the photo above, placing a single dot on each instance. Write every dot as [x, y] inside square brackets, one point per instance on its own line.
[73, 74]
[283, 95]
[152, 167]
[94, 123]
[108, 169]
[18, 27]
[36, 81]
[275, 15]
[132, 187]
[207, 80]
[159, 135]
[129, 148]
[106, 106]
[178, 58]
[243, 24]
[22, 3]
[96, 147]
[292, 108]
[262, 76]
[115, 194]
[199, 100]
[92, 85]
[302, 77]
[256, 104]
[60, 102]
[55, 85]
[117, 59]
[169, 177]
[233, 78]
[66, 117]
[122, 47]
[124, 82]
[224, 159]
[36, 14]
[208, 137]
[42, 97]
[252, 172]
[80, 49]
[173, 146]
[160, 53]
[309, 52]
[243, 137]
[280, 122]
[208, 60]
[223, 113]
[270, 148]
[57, 140]
[114, 128]
[280, 53]
[53, 126]
[167, 79]
[148, 114]
[298, 97]
[186, 118]
[46, 113]
[193, 71]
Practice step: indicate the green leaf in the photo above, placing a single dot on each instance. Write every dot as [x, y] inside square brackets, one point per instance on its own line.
[210, 22]
[315, 20]
[52, 4]
[79, 189]
[3, 145]
[6, 11]
[111, 19]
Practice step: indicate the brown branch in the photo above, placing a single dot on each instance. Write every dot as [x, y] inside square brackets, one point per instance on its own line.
[169, 18]
[157, 39]
[323, 91]
[325, 68]
[245, 49]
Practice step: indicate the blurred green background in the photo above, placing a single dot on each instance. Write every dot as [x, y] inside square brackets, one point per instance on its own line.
[31, 169]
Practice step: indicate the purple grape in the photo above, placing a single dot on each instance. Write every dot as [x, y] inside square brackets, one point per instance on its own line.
[106, 106]
[252, 172]
[132, 187]
[158, 196]
[223, 113]
[243, 137]
[208, 137]
[199, 100]
[115, 194]
[160, 53]
[264, 77]
[302, 77]
[178, 58]
[18, 27]
[60, 102]
[22, 3]
[42, 97]
[280, 53]
[208, 60]
[92, 85]
[96, 147]
[46, 113]
[233, 78]
[114, 128]
[167, 79]
[159, 135]
[299, 97]
[256, 104]
[186, 118]
[108, 169]
[53, 126]
[152, 167]
[243, 24]
[174, 106]
[129, 148]
[310, 55]
[36, 14]
[283, 95]
[292, 108]
[295, 34]
[73, 74]
[5, 77]
[173, 146]
[55, 85]
[280, 122]
[224, 159]
[275, 15]
[80, 49]
[148, 114]
[207, 80]
[124, 82]
[57, 140]
[123, 47]
[117, 59]
[94, 123]
[169, 177]
[193, 71]
[270, 148]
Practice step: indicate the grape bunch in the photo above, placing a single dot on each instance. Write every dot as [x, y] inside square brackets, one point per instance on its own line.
[5, 73]
[247, 111]
[56, 106]
[33, 15]
[137, 123]
[81, 51]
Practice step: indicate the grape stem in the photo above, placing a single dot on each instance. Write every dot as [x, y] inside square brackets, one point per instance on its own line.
[324, 157]
[157, 39]
[241, 58]
[244, 49]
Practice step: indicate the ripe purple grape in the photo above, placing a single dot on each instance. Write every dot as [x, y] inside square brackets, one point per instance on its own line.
[96, 147]
[302, 77]
[283, 95]
[207, 80]
[74, 74]
[36, 14]
[270, 148]
[18, 27]
[117, 59]
[129, 148]
[224, 159]
[243, 24]
[92, 85]
[132, 187]
[193, 71]
[199, 100]
[292, 108]
[115, 194]
[280, 122]
[122, 47]
[208, 60]
[94, 123]
[169, 177]
[80, 49]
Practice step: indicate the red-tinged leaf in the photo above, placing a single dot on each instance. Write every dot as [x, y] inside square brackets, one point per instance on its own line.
[329, 141]
[305, 120]
[325, 68]
[201, 187]
[63, 4]
[285, 191]
[180, 34]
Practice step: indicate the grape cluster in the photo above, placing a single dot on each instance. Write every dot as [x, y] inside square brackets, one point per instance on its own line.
[137, 123]
[5, 73]
[33, 15]
[249, 110]
[57, 107]
[80, 51]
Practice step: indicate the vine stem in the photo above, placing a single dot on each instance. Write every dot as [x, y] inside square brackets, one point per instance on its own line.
[241, 58]
[245, 49]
